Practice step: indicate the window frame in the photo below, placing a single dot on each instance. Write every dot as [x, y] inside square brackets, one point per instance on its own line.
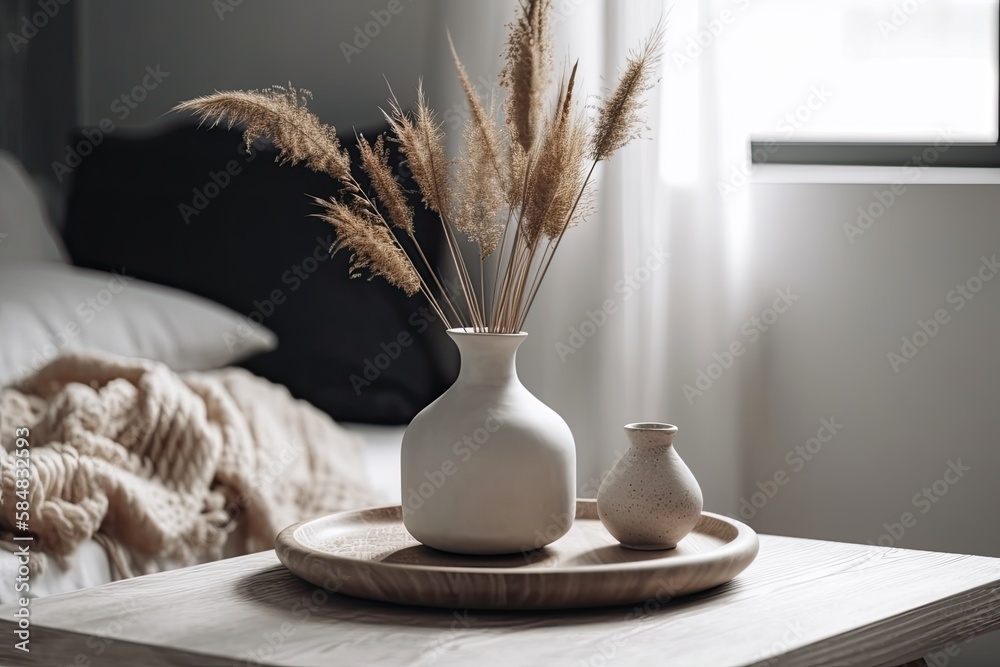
[882, 154]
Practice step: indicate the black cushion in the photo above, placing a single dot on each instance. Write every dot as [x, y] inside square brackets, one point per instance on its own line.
[193, 209]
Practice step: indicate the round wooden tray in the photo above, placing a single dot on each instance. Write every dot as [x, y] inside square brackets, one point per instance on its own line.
[368, 554]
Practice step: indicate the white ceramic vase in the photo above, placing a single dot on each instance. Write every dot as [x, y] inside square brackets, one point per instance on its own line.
[487, 468]
[650, 499]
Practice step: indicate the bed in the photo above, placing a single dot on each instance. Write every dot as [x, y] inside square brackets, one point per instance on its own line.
[90, 566]
[87, 288]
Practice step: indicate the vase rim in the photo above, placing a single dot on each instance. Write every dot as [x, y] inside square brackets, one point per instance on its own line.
[651, 426]
[471, 331]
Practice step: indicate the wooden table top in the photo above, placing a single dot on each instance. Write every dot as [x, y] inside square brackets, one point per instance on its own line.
[802, 602]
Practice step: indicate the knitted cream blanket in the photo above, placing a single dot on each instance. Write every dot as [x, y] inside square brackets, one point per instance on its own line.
[162, 467]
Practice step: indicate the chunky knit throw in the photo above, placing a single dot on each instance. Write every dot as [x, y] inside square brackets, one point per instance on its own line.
[161, 467]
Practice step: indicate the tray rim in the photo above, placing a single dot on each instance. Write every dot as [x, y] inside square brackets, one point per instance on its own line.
[745, 541]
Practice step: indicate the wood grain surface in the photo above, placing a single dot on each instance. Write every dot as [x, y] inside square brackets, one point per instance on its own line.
[368, 553]
[801, 602]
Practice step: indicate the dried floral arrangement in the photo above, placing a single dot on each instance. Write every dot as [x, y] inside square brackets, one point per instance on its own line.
[521, 184]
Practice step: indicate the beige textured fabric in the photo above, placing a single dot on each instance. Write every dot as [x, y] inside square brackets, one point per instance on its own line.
[172, 468]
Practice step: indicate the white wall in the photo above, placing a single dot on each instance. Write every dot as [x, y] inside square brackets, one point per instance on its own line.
[827, 357]
[257, 44]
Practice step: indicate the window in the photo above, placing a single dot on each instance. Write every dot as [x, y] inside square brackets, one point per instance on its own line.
[873, 81]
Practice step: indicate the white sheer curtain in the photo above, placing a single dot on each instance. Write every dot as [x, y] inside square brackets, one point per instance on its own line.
[619, 328]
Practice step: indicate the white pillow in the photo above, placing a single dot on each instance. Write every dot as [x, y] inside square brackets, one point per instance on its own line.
[25, 233]
[47, 308]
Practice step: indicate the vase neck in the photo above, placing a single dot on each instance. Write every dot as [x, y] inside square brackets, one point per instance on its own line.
[651, 434]
[487, 358]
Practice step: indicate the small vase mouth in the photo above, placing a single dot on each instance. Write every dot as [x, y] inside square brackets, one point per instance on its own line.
[472, 331]
[652, 426]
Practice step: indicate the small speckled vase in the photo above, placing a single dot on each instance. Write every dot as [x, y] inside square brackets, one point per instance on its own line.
[650, 499]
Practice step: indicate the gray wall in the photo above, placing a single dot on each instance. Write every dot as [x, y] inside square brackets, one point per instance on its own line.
[828, 357]
[257, 44]
[37, 84]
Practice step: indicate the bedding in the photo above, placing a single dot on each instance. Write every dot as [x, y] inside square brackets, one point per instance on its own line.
[47, 308]
[25, 232]
[166, 207]
[167, 469]
[137, 466]
[89, 566]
